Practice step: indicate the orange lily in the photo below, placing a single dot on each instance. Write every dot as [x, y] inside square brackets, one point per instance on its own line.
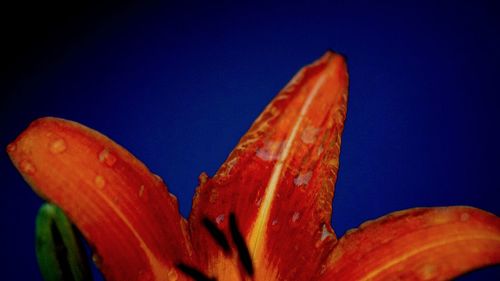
[266, 213]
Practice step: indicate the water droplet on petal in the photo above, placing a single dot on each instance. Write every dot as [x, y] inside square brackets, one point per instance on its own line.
[172, 275]
[173, 197]
[428, 271]
[309, 135]
[325, 233]
[302, 178]
[107, 157]
[464, 217]
[258, 201]
[158, 178]
[100, 181]
[219, 219]
[271, 150]
[295, 216]
[97, 260]
[11, 147]
[322, 269]
[27, 167]
[57, 146]
[320, 150]
[275, 226]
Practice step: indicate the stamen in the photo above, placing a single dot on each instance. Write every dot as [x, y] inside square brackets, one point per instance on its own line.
[241, 245]
[194, 273]
[217, 235]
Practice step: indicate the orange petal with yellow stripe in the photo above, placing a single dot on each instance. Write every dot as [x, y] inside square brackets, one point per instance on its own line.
[417, 244]
[278, 182]
[122, 209]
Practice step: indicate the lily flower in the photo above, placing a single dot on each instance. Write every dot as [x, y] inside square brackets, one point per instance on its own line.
[265, 214]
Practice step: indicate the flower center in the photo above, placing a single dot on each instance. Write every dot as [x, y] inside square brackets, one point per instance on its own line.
[222, 241]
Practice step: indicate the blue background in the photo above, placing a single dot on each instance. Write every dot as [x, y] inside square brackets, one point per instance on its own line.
[179, 84]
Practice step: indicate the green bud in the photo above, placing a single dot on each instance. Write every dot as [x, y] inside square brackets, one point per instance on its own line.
[60, 253]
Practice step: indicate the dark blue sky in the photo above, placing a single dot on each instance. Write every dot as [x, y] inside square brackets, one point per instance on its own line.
[178, 85]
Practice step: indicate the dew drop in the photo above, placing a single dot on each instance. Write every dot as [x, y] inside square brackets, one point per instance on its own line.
[464, 217]
[97, 260]
[275, 225]
[258, 201]
[158, 178]
[308, 136]
[219, 219]
[271, 150]
[57, 146]
[107, 157]
[302, 178]
[295, 216]
[320, 150]
[428, 271]
[172, 197]
[325, 233]
[442, 215]
[172, 275]
[322, 269]
[11, 147]
[100, 181]
[27, 167]
[141, 190]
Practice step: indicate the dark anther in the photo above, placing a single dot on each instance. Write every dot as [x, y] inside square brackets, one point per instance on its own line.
[217, 235]
[194, 273]
[238, 239]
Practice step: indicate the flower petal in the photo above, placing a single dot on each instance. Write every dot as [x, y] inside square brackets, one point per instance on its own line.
[119, 206]
[278, 181]
[417, 244]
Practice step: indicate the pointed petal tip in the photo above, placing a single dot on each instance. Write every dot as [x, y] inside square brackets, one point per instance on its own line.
[331, 54]
[16, 147]
[336, 63]
[291, 151]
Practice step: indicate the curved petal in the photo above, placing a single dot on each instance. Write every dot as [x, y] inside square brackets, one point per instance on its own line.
[122, 209]
[278, 182]
[417, 244]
